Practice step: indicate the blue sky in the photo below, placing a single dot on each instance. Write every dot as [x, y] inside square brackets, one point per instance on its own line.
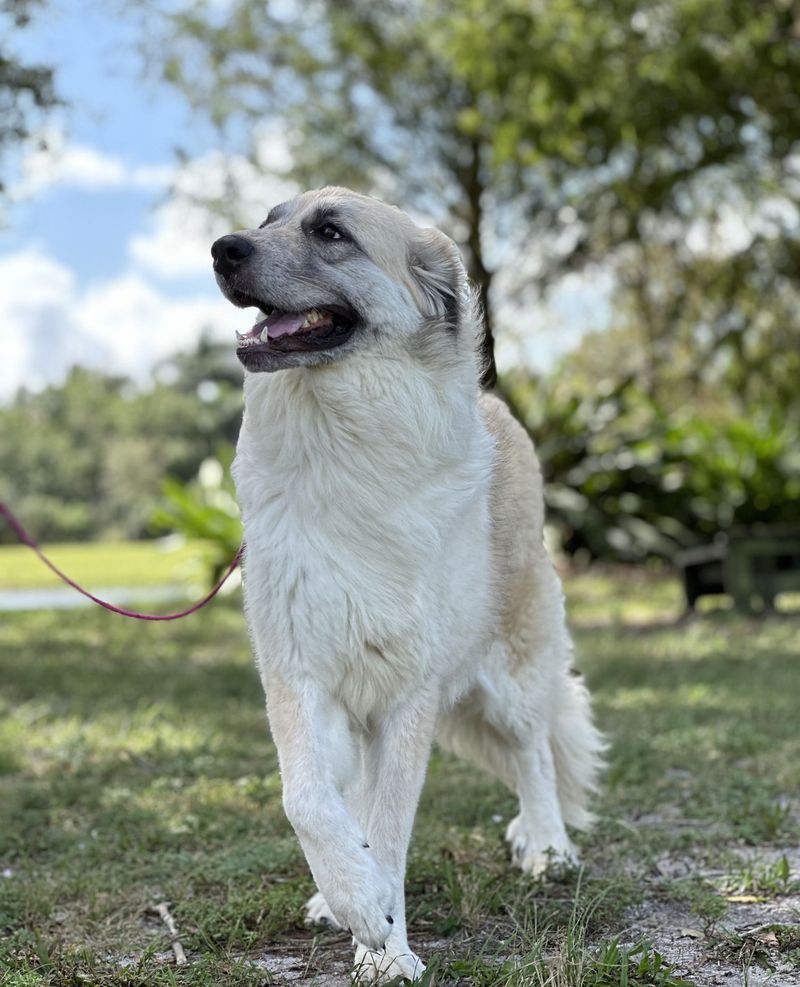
[113, 108]
[99, 265]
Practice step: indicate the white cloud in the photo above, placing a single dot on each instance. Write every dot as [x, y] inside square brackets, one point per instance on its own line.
[124, 325]
[178, 242]
[52, 161]
[181, 230]
[127, 323]
[33, 290]
[139, 325]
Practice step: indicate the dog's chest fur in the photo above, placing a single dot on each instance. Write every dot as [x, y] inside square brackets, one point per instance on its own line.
[364, 495]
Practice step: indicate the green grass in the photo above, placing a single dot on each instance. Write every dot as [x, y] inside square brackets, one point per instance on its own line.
[135, 768]
[128, 563]
[619, 595]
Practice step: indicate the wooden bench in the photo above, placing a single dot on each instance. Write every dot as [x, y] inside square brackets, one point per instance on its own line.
[752, 567]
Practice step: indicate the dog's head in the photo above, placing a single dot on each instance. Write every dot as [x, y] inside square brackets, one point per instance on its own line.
[332, 272]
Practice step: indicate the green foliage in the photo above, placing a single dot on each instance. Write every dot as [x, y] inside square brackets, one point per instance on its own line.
[758, 878]
[636, 966]
[652, 141]
[26, 91]
[628, 478]
[205, 509]
[88, 458]
[613, 965]
[612, 104]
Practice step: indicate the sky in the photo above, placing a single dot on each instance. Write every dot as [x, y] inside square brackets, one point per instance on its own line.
[100, 264]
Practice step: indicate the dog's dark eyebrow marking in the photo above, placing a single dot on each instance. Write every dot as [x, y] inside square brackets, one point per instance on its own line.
[275, 213]
[329, 214]
[322, 215]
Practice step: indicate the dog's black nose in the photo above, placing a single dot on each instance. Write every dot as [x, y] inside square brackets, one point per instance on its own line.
[229, 252]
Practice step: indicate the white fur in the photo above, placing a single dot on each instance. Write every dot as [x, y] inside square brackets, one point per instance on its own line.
[384, 609]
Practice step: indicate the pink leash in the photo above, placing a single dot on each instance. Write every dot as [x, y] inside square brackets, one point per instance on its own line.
[26, 539]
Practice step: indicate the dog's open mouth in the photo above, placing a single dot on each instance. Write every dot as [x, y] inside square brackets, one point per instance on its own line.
[308, 330]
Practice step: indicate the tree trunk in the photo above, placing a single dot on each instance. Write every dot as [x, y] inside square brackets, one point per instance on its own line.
[482, 278]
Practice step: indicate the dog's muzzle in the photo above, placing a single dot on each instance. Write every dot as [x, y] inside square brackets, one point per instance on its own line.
[280, 334]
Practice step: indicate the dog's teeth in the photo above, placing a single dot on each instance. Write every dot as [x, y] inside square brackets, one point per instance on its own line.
[264, 335]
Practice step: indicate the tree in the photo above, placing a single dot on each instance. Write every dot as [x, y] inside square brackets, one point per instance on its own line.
[366, 97]
[26, 91]
[681, 175]
[88, 458]
[553, 135]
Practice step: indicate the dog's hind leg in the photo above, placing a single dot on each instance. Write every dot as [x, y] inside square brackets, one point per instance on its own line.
[526, 765]
[557, 771]
[538, 835]
[547, 752]
[318, 912]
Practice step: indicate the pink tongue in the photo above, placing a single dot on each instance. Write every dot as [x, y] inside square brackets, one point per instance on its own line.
[284, 323]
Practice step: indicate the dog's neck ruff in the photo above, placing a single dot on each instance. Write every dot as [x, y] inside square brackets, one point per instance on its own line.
[359, 425]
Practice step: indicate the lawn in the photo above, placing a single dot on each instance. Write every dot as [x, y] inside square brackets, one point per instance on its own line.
[125, 563]
[135, 769]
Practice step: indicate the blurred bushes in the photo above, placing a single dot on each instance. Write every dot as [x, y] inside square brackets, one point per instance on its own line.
[87, 459]
[628, 478]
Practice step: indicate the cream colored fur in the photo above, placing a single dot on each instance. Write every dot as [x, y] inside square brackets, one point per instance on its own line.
[397, 588]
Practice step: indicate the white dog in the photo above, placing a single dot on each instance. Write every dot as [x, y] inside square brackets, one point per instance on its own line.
[397, 589]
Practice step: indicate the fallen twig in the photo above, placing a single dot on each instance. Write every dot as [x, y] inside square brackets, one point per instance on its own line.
[166, 917]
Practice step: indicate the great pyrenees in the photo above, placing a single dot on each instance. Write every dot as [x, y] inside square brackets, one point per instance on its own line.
[397, 589]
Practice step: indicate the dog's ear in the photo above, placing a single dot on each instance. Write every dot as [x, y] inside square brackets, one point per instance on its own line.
[438, 275]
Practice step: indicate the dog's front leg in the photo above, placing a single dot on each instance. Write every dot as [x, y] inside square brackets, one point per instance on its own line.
[317, 759]
[395, 760]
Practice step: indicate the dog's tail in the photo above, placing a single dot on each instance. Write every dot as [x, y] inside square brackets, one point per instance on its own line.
[578, 749]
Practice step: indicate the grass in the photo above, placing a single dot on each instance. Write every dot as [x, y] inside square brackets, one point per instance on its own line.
[127, 563]
[135, 768]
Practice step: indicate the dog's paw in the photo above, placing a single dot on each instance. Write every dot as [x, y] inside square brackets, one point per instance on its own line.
[383, 966]
[364, 903]
[529, 855]
[318, 912]
[368, 921]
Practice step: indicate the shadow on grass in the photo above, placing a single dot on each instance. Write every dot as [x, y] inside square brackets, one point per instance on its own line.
[702, 719]
[135, 752]
[78, 662]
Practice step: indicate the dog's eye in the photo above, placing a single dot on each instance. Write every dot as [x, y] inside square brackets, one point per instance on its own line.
[329, 232]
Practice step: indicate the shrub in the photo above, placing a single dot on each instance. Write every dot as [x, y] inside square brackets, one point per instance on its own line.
[627, 479]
